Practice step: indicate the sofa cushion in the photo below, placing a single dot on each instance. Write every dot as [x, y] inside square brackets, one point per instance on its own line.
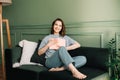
[36, 58]
[35, 68]
[56, 75]
[97, 57]
[67, 75]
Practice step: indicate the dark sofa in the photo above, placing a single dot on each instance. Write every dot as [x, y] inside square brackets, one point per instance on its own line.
[95, 66]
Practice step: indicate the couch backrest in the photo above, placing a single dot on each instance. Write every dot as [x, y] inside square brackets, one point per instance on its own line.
[96, 57]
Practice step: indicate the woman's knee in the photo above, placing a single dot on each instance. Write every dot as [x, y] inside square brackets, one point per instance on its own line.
[83, 59]
[62, 50]
[80, 61]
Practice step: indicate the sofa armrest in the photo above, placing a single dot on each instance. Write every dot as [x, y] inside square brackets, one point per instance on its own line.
[8, 59]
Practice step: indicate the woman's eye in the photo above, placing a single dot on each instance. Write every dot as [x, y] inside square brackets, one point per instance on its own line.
[60, 25]
[56, 24]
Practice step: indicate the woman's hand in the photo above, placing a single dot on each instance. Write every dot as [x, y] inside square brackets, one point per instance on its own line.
[73, 46]
[52, 41]
[53, 44]
[48, 45]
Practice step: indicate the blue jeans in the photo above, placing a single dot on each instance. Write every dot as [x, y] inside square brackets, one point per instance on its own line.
[62, 58]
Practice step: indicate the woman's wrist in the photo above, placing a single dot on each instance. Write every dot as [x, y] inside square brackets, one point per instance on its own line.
[67, 48]
[47, 46]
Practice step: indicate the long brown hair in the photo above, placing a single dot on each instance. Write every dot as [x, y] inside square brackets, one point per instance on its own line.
[62, 32]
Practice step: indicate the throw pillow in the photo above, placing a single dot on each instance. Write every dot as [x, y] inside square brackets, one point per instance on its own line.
[36, 58]
[28, 50]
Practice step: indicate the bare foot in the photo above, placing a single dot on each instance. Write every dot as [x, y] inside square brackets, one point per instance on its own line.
[79, 75]
[56, 69]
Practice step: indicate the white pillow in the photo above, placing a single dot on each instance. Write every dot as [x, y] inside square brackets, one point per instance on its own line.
[27, 52]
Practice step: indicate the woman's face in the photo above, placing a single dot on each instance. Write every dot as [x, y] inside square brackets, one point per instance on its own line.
[57, 27]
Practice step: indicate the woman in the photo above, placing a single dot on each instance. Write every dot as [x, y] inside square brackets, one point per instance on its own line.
[56, 46]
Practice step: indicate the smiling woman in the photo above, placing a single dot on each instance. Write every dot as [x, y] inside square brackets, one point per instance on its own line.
[58, 58]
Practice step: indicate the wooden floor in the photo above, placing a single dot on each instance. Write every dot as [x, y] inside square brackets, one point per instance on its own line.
[0, 72]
